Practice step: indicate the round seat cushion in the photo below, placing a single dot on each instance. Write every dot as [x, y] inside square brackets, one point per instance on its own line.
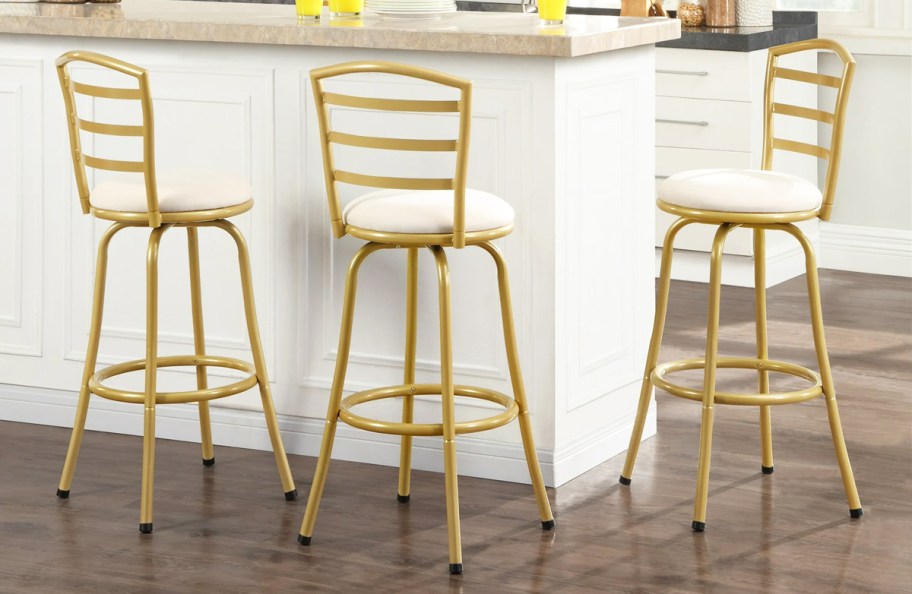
[425, 211]
[740, 190]
[179, 190]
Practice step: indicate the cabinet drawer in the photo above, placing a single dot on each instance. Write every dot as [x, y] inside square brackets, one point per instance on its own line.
[701, 74]
[704, 124]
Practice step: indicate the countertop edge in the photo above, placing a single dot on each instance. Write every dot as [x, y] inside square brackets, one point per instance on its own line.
[742, 42]
[517, 35]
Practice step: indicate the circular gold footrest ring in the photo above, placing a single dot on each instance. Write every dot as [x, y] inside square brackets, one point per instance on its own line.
[658, 379]
[96, 386]
[426, 429]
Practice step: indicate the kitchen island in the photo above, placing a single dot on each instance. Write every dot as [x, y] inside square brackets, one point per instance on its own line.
[563, 129]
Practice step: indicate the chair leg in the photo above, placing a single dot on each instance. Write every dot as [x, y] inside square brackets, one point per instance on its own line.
[259, 361]
[826, 374]
[82, 405]
[766, 431]
[709, 378]
[449, 415]
[652, 356]
[335, 395]
[148, 465]
[519, 392]
[408, 402]
[199, 344]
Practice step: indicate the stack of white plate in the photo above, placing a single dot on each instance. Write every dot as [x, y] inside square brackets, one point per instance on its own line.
[410, 9]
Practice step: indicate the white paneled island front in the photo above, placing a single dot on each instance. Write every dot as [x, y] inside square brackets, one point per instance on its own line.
[562, 129]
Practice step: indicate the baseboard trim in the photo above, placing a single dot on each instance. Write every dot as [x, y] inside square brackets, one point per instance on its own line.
[586, 452]
[482, 458]
[875, 250]
[737, 271]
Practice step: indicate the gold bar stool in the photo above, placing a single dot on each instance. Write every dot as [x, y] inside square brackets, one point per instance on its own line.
[412, 213]
[763, 201]
[189, 199]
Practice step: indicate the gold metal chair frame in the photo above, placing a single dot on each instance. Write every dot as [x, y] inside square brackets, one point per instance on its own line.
[93, 381]
[822, 383]
[339, 408]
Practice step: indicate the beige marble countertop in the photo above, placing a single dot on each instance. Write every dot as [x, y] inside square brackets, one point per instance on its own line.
[475, 32]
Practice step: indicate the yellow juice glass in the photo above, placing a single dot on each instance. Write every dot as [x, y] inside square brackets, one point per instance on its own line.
[308, 9]
[552, 12]
[343, 8]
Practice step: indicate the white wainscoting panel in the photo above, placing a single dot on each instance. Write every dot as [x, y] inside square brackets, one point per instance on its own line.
[21, 198]
[600, 322]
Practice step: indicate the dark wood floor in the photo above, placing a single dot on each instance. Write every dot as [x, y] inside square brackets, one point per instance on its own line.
[228, 529]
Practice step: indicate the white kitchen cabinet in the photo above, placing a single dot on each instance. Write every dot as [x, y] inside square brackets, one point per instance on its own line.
[568, 142]
[709, 114]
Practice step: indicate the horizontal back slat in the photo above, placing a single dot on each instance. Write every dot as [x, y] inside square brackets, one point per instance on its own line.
[390, 104]
[396, 144]
[801, 147]
[106, 92]
[808, 77]
[399, 183]
[803, 112]
[110, 129]
[113, 165]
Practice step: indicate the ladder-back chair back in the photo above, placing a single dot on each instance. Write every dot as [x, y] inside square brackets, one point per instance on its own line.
[462, 106]
[140, 92]
[841, 84]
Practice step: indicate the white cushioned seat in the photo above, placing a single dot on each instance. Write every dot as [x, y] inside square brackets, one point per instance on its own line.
[740, 190]
[179, 190]
[425, 211]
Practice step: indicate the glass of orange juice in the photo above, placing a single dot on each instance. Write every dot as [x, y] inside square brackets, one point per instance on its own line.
[308, 9]
[345, 8]
[552, 12]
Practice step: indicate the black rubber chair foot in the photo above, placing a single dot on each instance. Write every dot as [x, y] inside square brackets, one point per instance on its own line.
[624, 480]
[403, 498]
[766, 469]
[304, 540]
[63, 494]
[291, 495]
[548, 524]
[208, 461]
[146, 528]
[455, 568]
[698, 526]
[856, 513]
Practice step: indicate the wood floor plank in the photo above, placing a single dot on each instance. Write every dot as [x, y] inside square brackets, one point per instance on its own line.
[228, 529]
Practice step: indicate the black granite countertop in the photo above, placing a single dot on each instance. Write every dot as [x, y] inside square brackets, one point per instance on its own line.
[788, 26]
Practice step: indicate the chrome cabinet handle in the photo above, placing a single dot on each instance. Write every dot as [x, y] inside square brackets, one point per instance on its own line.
[684, 72]
[661, 177]
[683, 122]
